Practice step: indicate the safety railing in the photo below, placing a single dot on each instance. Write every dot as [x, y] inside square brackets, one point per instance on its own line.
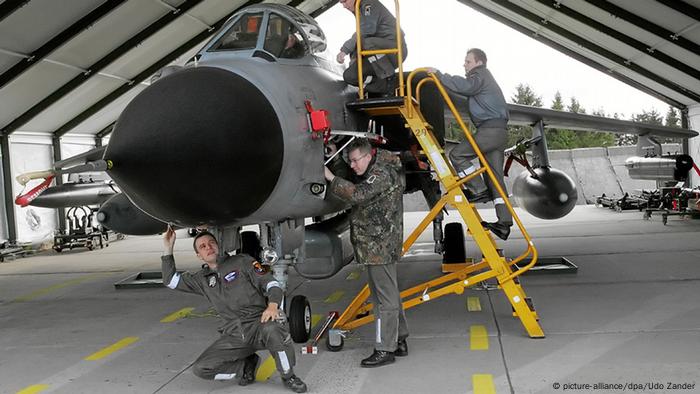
[531, 250]
[389, 51]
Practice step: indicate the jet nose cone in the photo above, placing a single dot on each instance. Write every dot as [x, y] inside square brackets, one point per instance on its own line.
[201, 146]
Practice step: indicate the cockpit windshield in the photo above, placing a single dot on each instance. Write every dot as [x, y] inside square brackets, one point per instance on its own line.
[283, 39]
[242, 35]
[289, 32]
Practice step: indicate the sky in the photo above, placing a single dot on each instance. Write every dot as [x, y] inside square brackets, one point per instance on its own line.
[438, 33]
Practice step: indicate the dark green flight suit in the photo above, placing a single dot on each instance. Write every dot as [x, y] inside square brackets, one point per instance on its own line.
[237, 290]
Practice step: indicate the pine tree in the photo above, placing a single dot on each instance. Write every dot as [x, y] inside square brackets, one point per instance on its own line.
[575, 106]
[526, 96]
[557, 103]
[672, 119]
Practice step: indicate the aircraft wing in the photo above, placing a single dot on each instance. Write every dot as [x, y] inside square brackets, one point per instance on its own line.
[526, 115]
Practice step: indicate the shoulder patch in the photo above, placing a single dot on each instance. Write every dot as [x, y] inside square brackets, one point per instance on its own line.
[259, 268]
[231, 276]
[371, 179]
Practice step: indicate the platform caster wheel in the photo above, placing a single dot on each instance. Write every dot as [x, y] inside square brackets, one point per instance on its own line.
[58, 249]
[335, 348]
[300, 319]
[192, 232]
[664, 219]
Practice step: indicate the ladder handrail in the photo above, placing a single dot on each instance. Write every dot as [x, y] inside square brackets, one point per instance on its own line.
[482, 160]
[360, 54]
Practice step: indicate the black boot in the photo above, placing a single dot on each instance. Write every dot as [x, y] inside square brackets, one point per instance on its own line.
[295, 384]
[401, 348]
[474, 198]
[501, 230]
[251, 363]
[377, 359]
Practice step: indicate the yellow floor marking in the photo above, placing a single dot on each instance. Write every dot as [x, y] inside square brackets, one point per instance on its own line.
[473, 304]
[478, 338]
[41, 292]
[315, 319]
[112, 348]
[177, 315]
[33, 389]
[483, 384]
[267, 368]
[353, 275]
[335, 297]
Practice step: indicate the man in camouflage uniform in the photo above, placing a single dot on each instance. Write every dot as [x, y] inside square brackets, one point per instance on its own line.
[376, 232]
[378, 31]
[247, 297]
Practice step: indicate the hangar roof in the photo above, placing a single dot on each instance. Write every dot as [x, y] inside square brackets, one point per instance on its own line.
[72, 66]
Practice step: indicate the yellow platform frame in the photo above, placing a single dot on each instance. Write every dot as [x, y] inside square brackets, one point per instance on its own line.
[493, 264]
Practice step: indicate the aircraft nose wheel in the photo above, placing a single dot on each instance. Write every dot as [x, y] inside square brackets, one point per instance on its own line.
[300, 319]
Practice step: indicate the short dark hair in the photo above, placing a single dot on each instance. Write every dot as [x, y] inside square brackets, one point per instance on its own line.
[478, 54]
[361, 144]
[200, 235]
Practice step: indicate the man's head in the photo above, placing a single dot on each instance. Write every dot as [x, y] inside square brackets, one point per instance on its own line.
[206, 247]
[349, 5]
[360, 155]
[475, 57]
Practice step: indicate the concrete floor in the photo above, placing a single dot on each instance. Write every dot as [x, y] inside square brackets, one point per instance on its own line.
[630, 317]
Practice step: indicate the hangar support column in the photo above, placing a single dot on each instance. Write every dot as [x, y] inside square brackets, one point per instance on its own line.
[56, 140]
[7, 188]
[691, 120]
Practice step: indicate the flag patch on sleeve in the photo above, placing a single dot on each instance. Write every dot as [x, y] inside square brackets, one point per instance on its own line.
[231, 276]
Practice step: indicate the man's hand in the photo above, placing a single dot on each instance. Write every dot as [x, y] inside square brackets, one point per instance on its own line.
[169, 241]
[329, 174]
[270, 313]
[340, 57]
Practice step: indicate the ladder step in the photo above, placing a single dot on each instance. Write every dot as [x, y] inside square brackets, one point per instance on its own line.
[379, 102]
[530, 305]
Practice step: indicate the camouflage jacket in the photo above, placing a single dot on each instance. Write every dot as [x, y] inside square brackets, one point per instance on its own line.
[376, 219]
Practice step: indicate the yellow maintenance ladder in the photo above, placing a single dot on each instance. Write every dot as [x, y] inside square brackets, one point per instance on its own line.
[493, 264]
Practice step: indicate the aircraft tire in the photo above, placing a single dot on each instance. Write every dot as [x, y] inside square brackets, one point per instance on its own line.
[455, 251]
[300, 319]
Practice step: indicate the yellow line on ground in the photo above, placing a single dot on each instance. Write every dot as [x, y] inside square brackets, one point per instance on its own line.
[41, 292]
[33, 389]
[315, 319]
[177, 315]
[483, 384]
[335, 297]
[112, 348]
[473, 304]
[267, 368]
[353, 275]
[478, 338]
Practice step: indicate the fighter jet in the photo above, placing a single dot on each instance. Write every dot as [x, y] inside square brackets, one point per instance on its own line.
[237, 137]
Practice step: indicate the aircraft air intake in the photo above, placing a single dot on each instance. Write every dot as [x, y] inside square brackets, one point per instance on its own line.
[200, 146]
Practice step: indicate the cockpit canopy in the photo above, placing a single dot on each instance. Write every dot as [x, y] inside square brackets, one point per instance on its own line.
[280, 30]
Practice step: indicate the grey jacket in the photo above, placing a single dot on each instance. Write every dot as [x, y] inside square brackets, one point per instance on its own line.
[375, 21]
[487, 106]
[237, 289]
[376, 219]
